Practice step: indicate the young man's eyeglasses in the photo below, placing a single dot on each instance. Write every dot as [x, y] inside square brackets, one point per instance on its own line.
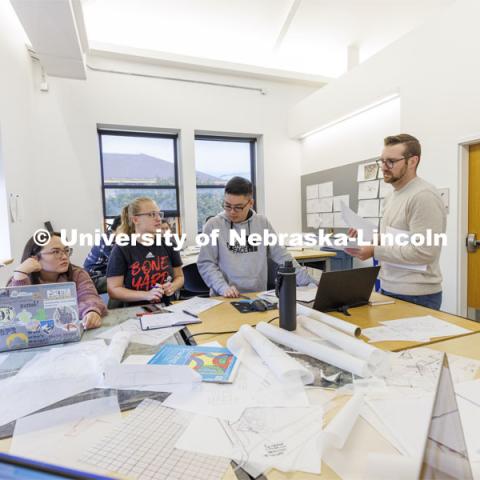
[58, 252]
[390, 162]
[235, 208]
[153, 214]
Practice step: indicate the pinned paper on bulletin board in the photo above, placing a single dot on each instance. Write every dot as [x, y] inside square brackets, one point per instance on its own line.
[368, 190]
[367, 171]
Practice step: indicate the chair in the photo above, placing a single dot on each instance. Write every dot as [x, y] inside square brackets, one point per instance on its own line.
[194, 284]
[272, 273]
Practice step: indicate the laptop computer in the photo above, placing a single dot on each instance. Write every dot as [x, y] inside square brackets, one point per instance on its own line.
[344, 289]
[38, 315]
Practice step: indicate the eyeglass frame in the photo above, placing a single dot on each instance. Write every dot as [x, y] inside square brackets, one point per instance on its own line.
[380, 161]
[152, 214]
[235, 208]
[58, 252]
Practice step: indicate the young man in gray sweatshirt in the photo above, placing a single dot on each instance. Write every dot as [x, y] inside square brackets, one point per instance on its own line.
[229, 269]
[408, 272]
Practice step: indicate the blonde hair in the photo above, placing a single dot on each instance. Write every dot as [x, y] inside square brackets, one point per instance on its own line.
[128, 211]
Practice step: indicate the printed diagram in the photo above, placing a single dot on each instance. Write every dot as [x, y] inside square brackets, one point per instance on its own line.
[212, 363]
[266, 437]
[415, 369]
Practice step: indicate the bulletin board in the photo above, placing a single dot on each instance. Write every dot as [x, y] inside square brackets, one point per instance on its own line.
[359, 185]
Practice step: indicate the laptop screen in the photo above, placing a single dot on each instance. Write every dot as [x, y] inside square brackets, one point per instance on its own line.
[343, 289]
[38, 315]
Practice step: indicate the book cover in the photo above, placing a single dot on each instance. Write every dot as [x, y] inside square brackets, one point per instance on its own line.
[214, 364]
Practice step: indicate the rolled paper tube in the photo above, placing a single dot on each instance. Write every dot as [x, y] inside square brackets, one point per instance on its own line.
[357, 348]
[326, 354]
[346, 327]
[283, 366]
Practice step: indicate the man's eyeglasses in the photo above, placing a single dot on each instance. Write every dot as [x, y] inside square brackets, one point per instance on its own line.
[153, 214]
[390, 162]
[235, 208]
[58, 252]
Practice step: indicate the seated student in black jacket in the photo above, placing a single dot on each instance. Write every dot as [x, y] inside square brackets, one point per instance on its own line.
[97, 260]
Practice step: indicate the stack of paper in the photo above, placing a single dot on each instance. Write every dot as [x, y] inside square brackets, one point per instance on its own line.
[352, 220]
[50, 377]
[304, 294]
[415, 329]
[153, 321]
[252, 388]
[195, 305]
[284, 438]
[60, 435]
[151, 337]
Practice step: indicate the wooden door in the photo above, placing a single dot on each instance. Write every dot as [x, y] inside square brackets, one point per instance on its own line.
[474, 226]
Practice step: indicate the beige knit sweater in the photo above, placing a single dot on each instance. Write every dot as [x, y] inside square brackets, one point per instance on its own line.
[415, 208]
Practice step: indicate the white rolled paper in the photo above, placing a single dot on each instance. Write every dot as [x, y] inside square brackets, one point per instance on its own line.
[346, 327]
[326, 354]
[283, 366]
[358, 348]
[338, 430]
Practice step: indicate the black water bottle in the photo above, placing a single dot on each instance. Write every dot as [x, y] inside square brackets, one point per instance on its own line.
[286, 289]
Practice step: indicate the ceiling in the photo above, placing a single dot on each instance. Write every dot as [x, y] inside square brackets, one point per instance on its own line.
[297, 37]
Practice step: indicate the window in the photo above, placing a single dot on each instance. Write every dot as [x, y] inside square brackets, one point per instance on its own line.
[137, 165]
[217, 160]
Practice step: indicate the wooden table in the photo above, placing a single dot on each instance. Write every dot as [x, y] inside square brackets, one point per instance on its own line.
[225, 317]
[467, 346]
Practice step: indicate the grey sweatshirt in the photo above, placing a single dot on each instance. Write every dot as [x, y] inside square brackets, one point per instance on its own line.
[415, 208]
[222, 266]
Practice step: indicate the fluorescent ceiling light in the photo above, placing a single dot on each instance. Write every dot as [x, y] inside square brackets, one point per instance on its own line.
[382, 101]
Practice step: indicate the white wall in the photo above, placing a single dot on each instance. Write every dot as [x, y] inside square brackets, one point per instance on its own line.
[50, 140]
[437, 73]
[17, 156]
[352, 140]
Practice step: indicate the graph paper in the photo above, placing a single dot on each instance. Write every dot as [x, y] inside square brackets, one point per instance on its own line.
[142, 447]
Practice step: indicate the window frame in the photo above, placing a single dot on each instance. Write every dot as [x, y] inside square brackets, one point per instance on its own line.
[136, 186]
[252, 141]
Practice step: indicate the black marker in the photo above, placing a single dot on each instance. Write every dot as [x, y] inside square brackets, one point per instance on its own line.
[191, 314]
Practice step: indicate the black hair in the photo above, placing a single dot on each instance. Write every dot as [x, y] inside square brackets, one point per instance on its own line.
[239, 186]
[32, 249]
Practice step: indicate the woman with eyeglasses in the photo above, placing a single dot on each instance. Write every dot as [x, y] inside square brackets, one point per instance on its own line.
[51, 264]
[141, 273]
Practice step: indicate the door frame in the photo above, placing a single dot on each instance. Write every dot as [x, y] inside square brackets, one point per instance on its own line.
[462, 211]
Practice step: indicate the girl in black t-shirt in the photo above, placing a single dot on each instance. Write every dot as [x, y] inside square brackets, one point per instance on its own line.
[140, 273]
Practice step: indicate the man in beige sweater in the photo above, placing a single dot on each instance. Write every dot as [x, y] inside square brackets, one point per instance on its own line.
[408, 272]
